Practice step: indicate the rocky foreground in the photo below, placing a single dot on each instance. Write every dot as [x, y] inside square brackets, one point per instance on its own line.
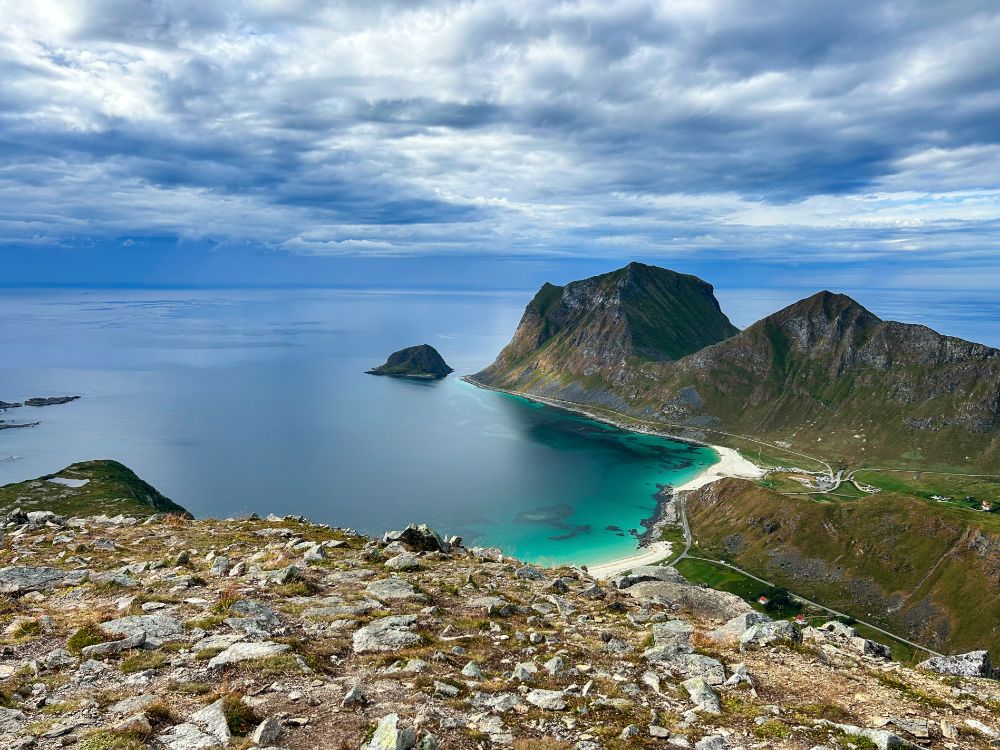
[122, 633]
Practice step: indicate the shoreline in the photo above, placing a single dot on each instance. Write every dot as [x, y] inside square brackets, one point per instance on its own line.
[731, 463]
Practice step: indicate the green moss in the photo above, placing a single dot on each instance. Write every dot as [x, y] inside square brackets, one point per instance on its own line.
[139, 661]
[88, 635]
[772, 729]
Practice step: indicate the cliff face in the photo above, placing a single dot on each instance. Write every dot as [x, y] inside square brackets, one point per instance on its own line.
[602, 328]
[823, 375]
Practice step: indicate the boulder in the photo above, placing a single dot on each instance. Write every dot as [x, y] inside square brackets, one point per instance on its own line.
[386, 634]
[243, 651]
[390, 736]
[403, 561]
[267, 732]
[770, 633]
[547, 700]
[423, 538]
[156, 629]
[736, 627]
[212, 719]
[704, 698]
[971, 664]
[187, 737]
[113, 647]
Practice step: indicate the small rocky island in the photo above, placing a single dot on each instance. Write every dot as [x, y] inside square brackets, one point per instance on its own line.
[421, 361]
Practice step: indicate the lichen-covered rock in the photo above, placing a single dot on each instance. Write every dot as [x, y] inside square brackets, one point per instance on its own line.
[155, 629]
[971, 664]
[386, 634]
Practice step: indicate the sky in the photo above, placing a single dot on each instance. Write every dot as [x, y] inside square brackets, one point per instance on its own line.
[497, 144]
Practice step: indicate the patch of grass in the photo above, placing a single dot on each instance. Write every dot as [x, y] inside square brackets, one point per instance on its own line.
[61, 707]
[139, 661]
[300, 587]
[89, 635]
[723, 579]
[208, 653]
[240, 717]
[191, 688]
[542, 743]
[914, 694]
[27, 629]
[110, 739]
[772, 729]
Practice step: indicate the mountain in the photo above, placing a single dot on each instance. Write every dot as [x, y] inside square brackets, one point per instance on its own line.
[600, 330]
[823, 375]
[421, 361]
[928, 573]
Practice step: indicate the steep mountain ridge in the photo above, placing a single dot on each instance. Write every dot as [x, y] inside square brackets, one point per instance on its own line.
[823, 374]
[600, 327]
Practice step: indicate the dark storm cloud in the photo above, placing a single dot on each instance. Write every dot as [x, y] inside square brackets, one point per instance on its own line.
[484, 127]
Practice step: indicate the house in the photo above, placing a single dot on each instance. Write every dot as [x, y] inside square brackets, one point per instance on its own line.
[986, 505]
[800, 619]
[763, 600]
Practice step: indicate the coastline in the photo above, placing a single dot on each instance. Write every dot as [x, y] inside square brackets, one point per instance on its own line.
[731, 463]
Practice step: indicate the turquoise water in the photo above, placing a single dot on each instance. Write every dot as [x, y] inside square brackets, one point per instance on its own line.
[238, 401]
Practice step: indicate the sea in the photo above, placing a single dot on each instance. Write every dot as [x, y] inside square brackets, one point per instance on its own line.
[234, 401]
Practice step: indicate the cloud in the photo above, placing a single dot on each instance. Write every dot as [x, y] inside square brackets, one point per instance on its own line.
[798, 129]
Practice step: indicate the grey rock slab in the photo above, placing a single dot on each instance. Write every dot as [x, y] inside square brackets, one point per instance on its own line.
[267, 732]
[770, 633]
[386, 634]
[547, 700]
[389, 589]
[212, 719]
[883, 739]
[252, 609]
[390, 736]
[158, 629]
[20, 579]
[703, 603]
[702, 695]
[403, 561]
[737, 626]
[971, 664]
[113, 647]
[472, 671]
[187, 737]
[243, 651]
[712, 742]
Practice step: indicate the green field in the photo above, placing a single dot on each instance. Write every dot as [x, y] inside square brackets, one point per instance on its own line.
[726, 579]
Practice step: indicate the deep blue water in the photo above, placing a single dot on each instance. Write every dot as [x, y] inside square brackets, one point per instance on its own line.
[231, 401]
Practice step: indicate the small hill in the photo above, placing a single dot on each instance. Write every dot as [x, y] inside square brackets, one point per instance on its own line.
[421, 361]
[88, 488]
[931, 574]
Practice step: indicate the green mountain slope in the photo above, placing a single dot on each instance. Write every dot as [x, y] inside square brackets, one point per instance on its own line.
[929, 573]
[107, 487]
[601, 329]
[824, 376]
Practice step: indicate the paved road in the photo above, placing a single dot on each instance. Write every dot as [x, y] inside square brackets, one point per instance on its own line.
[685, 555]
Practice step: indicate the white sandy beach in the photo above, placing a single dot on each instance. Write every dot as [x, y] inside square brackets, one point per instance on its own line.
[730, 464]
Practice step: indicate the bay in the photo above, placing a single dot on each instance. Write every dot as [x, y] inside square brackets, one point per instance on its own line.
[239, 401]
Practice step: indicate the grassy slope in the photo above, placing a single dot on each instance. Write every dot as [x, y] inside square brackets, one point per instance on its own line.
[112, 488]
[927, 572]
